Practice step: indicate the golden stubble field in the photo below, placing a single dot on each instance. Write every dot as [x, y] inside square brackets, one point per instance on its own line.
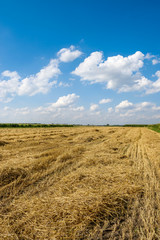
[82, 183]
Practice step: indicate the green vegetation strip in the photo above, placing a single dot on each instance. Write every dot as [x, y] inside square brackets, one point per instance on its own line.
[29, 125]
[135, 125]
[155, 127]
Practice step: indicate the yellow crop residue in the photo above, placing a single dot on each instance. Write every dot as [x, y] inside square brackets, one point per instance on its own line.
[79, 183]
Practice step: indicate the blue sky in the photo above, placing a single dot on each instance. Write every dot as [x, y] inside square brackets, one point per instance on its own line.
[84, 62]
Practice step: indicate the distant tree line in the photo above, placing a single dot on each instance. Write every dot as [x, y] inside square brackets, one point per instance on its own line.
[135, 125]
[34, 125]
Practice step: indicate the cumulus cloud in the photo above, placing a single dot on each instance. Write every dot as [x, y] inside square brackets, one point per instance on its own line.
[155, 61]
[93, 107]
[154, 58]
[12, 84]
[68, 54]
[154, 86]
[40, 82]
[81, 108]
[9, 83]
[140, 84]
[116, 72]
[110, 109]
[22, 111]
[65, 101]
[64, 110]
[149, 56]
[63, 84]
[123, 105]
[15, 112]
[12, 75]
[105, 100]
[128, 109]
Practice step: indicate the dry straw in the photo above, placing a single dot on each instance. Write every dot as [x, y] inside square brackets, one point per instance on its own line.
[79, 183]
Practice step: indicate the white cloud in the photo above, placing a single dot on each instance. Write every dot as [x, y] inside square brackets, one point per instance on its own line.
[57, 108]
[11, 83]
[123, 105]
[140, 84]
[128, 109]
[149, 56]
[68, 54]
[105, 100]
[116, 72]
[156, 108]
[154, 86]
[63, 84]
[13, 113]
[64, 110]
[12, 75]
[81, 108]
[41, 82]
[6, 108]
[155, 61]
[156, 117]
[64, 101]
[22, 111]
[142, 112]
[110, 109]
[154, 58]
[93, 107]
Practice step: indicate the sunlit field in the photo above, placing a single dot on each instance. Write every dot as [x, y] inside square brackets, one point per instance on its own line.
[79, 183]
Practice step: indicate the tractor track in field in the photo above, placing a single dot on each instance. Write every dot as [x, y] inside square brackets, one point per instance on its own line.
[143, 218]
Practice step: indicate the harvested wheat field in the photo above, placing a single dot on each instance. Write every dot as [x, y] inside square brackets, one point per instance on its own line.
[79, 183]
